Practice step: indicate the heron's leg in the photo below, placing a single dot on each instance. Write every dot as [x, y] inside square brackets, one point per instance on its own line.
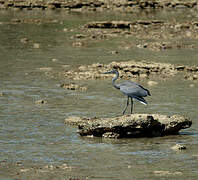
[126, 105]
[131, 105]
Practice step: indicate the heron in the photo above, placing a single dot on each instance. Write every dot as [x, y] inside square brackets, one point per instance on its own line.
[130, 89]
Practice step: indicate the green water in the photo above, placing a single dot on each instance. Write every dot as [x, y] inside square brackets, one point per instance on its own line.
[33, 135]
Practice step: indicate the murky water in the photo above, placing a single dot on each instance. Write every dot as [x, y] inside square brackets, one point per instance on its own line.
[35, 134]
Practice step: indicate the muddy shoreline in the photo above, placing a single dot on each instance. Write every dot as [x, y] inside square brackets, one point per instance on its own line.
[98, 5]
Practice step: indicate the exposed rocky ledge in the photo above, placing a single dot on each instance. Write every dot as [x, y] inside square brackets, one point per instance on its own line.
[130, 126]
[149, 31]
[116, 5]
[128, 70]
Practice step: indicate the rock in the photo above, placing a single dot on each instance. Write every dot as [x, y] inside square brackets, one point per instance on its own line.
[80, 36]
[165, 173]
[65, 65]
[128, 69]
[130, 126]
[65, 30]
[152, 83]
[178, 147]
[159, 46]
[114, 52]
[131, 69]
[15, 20]
[73, 86]
[41, 101]
[24, 40]
[1, 94]
[111, 135]
[108, 24]
[193, 76]
[78, 44]
[36, 45]
[54, 60]
[45, 69]
[97, 5]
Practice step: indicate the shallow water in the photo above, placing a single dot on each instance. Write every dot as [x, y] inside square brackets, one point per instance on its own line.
[35, 134]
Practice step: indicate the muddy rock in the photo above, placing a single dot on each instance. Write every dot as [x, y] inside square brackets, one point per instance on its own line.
[109, 24]
[36, 45]
[159, 46]
[178, 147]
[191, 76]
[24, 40]
[2, 94]
[97, 5]
[149, 30]
[73, 86]
[152, 83]
[129, 69]
[31, 21]
[40, 102]
[168, 173]
[130, 126]
[121, 24]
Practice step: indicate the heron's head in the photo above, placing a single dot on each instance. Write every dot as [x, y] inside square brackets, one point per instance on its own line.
[111, 72]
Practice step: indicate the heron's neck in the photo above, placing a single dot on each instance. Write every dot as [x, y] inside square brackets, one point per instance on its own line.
[114, 79]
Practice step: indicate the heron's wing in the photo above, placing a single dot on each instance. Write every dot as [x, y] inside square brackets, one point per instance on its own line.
[133, 90]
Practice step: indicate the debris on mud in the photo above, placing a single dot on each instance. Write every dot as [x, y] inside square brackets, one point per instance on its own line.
[131, 126]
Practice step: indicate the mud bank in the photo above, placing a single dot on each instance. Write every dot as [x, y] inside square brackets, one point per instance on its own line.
[98, 5]
[130, 126]
[128, 70]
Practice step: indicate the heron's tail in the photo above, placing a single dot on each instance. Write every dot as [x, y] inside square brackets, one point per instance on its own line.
[140, 99]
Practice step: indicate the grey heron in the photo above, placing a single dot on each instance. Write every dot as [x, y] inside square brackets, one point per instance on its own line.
[131, 89]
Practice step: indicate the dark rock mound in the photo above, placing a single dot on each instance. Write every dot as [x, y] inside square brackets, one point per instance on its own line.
[131, 126]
